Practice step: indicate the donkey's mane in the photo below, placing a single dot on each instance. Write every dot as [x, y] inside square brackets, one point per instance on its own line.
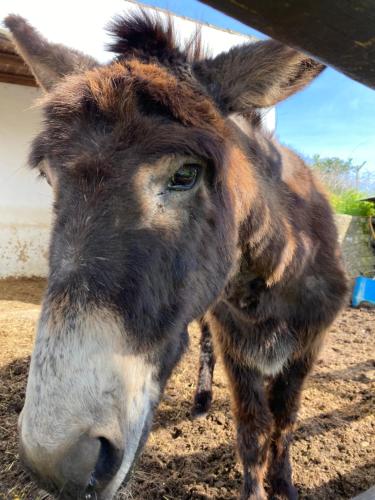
[148, 36]
[150, 79]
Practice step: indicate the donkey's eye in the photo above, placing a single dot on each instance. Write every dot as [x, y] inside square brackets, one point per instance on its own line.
[44, 176]
[185, 177]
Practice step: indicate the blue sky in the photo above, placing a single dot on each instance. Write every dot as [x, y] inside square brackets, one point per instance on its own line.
[335, 116]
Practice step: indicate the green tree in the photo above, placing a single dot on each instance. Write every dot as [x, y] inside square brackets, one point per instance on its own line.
[329, 166]
[343, 180]
[340, 174]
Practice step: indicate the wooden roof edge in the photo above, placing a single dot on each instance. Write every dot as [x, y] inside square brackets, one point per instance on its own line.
[13, 58]
[4, 33]
[26, 80]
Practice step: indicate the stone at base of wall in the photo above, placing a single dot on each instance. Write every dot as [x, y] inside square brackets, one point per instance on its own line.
[24, 250]
[354, 238]
[24, 241]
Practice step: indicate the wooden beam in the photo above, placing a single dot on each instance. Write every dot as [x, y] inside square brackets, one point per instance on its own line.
[15, 65]
[7, 58]
[18, 79]
[338, 33]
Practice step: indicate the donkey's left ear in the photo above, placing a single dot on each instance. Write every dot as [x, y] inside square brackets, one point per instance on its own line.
[256, 75]
[48, 61]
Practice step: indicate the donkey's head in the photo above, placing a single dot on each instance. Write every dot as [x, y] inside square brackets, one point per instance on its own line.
[150, 187]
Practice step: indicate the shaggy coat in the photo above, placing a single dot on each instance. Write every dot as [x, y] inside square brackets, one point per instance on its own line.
[137, 252]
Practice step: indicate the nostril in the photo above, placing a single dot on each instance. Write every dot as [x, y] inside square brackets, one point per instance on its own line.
[109, 460]
[84, 470]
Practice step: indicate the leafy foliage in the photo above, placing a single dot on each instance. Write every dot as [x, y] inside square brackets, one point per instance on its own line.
[349, 202]
[342, 179]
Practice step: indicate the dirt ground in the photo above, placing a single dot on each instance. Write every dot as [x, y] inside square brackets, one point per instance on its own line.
[334, 447]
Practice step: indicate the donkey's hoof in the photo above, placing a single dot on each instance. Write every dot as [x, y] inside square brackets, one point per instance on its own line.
[202, 404]
[254, 493]
[284, 491]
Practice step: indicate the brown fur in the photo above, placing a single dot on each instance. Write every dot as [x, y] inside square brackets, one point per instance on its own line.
[105, 87]
[252, 245]
[250, 79]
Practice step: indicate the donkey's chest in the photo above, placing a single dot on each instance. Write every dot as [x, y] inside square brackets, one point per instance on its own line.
[268, 350]
[252, 323]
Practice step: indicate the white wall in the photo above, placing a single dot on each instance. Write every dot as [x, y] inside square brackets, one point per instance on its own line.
[25, 202]
[56, 22]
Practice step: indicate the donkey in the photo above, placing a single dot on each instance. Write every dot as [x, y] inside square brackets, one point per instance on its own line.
[171, 204]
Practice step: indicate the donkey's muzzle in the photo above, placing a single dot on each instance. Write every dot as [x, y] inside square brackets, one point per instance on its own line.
[83, 471]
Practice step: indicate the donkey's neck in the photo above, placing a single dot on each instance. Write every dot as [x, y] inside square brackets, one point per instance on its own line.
[265, 234]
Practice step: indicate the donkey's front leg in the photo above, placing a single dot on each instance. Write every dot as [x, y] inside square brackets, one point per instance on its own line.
[284, 398]
[207, 360]
[254, 425]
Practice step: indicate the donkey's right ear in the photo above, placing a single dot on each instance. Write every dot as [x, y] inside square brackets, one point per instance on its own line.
[255, 75]
[48, 61]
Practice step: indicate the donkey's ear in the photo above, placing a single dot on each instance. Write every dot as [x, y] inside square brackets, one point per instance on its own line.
[256, 75]
[47, 61]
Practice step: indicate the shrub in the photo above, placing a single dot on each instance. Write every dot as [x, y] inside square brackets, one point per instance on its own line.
[349, 202]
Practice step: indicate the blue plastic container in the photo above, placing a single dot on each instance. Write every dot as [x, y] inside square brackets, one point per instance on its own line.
[364, 291]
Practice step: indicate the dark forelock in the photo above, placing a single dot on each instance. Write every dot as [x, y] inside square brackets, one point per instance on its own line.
[147, 36]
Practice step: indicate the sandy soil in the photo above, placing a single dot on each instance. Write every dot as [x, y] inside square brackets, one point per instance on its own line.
[334, 448]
